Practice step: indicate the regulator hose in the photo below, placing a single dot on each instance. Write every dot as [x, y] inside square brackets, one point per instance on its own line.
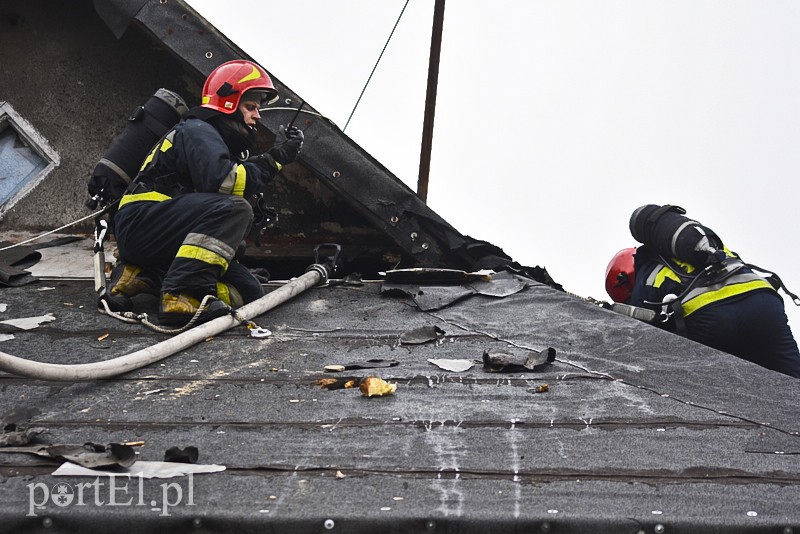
[315, 275]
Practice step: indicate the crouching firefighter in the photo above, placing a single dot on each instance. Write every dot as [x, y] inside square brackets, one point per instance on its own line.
[683, 279]
[182, 219]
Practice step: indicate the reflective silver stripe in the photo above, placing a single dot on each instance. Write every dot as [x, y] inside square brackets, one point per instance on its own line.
[651, 279]
[676, 233]
[210, 243]
[226, 188]
[117, 169]
[732, 280]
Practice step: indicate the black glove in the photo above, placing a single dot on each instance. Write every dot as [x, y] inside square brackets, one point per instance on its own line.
[288, 144]
[266, 162]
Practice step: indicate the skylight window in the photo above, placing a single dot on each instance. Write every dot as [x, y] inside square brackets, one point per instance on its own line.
[25, 157]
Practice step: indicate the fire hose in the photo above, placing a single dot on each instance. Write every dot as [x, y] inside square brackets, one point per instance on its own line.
[316, 274]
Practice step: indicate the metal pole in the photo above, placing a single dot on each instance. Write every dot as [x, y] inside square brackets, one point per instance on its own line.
[430, 101]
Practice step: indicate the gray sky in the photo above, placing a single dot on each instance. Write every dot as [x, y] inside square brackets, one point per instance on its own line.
[555, 120]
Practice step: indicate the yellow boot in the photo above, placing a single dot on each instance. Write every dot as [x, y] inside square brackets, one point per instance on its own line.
[177, 309]
[229, 295]
[127, 281]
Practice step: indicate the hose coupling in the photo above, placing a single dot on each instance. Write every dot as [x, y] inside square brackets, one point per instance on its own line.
[322, 270]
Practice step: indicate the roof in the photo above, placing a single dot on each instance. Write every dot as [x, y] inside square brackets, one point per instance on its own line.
[636, 428]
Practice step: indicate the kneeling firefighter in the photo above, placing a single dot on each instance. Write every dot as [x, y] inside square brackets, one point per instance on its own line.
[181, 221]
[685, 280]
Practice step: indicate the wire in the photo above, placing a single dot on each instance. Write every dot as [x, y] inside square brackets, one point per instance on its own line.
[376, 65]
[262, 110]
[98, 212]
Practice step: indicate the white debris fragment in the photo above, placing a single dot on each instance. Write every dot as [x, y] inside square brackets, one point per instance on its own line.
[141, 469]
[259, 332]
[29, 323]
[455, 366]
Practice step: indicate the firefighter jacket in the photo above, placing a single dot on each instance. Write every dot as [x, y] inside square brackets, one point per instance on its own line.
[693, 288]
[193, 157]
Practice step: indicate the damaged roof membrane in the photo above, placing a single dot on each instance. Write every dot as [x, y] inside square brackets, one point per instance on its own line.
[618, 421]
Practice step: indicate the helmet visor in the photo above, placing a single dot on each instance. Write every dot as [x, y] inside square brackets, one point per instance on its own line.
[262, 96]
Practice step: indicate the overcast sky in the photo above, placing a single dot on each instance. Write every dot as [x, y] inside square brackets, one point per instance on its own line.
[555, 120]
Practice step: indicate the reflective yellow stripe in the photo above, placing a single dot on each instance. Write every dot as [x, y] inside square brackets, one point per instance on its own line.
[663, 274]
[148, 159]
[235, 181]
[201, 254]
[241, 180]
[164, 146]
[704, 299]
[151, 196]
[223, 294]
[689, 268]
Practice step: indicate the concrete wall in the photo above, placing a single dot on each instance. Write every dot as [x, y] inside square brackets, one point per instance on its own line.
[64, 71]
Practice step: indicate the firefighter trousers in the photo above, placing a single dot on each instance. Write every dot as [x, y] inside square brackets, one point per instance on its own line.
[190, 241]
[753, 327]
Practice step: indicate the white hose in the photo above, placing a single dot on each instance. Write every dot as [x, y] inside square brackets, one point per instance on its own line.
[159, 351]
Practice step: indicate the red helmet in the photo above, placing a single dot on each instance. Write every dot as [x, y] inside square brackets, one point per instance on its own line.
[225, 86]
[620, 275]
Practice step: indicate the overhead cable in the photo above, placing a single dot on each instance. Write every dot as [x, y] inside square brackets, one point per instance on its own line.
[376, 65]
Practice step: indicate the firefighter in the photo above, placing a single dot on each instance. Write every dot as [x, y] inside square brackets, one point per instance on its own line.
[182, 220]
[719, 301]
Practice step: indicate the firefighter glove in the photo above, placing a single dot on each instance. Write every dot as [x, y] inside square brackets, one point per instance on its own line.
[266, 162]
[288, 144]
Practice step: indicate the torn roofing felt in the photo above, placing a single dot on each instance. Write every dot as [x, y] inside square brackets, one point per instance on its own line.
[362, 182]
[435, 296]
[15, 259]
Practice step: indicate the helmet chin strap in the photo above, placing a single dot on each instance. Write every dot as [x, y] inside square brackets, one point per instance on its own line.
[244, 155]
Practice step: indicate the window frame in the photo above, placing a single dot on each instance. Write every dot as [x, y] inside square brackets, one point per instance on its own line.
[9, 118]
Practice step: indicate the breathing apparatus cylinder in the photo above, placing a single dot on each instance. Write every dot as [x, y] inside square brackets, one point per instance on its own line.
[121, 161]
[672, 235]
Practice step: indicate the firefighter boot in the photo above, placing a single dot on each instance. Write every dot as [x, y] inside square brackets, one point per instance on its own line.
[128, 281]
[229, 295]
[177, 309]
